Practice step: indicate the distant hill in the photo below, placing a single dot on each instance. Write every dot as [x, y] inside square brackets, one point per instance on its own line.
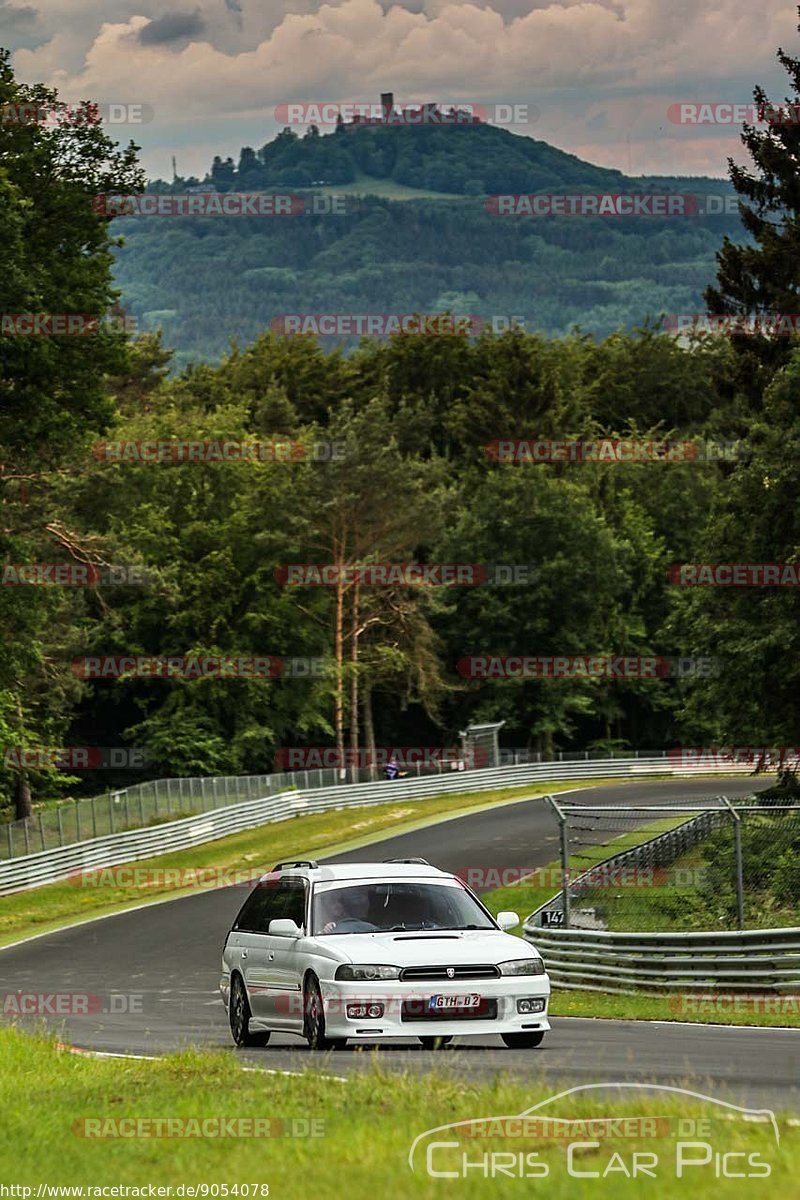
[420, 237]
[461, 161]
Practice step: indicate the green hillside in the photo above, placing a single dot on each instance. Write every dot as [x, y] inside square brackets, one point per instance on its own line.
[416, 235]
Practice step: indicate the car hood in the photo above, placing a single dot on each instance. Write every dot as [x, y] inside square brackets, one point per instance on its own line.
[450, 947]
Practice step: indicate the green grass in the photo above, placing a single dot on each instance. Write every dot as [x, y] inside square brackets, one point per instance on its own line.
[367, 1125]
[387, 189]
[707, 1009]
[42, 909]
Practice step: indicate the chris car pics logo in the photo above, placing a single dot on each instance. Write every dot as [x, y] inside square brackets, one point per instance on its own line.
[676, 1134]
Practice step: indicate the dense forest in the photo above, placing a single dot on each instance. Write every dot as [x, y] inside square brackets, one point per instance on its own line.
[388, 463]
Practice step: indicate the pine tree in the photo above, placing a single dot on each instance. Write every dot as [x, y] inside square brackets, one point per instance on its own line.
[762, 276]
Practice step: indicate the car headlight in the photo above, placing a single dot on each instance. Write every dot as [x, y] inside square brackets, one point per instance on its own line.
[522, 966]
[367, 972]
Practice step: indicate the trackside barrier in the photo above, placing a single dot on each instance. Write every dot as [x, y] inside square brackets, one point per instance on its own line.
[743, 962]
[160, 800]
[749, 961]
[132, 845]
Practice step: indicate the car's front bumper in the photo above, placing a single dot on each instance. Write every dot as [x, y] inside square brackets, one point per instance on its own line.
[498, 996]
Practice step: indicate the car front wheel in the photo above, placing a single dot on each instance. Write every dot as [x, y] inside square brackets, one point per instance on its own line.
[522, 1041]
[314, 1021]
[240, 1014]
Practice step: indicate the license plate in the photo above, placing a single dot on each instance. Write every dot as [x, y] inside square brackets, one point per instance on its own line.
[437, 1003]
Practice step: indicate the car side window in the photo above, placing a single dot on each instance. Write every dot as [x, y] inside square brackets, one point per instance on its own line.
[272, 901]
[292, 901]
[256, 912]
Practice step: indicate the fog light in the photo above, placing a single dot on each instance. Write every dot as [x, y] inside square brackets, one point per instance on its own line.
[530, 1005]
[358, 1012]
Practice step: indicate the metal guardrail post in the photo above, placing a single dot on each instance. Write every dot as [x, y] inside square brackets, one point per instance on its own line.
[564, 838]
[737, 847]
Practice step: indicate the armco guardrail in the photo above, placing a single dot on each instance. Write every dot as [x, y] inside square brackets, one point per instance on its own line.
[159, 800]
[745, 961]
[133, 845]
[750, 961]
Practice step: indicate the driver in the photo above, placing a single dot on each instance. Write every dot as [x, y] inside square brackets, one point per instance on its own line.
[346, 906]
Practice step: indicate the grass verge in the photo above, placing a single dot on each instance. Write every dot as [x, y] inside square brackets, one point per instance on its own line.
[365, 1128]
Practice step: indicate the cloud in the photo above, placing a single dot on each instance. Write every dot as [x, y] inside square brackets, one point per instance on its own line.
[172, 27]
[601, 73]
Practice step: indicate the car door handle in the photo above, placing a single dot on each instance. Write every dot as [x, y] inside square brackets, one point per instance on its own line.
[271, 955]
[244, 954]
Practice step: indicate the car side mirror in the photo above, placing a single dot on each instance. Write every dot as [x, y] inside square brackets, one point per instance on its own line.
[507, 920]
[284, 927]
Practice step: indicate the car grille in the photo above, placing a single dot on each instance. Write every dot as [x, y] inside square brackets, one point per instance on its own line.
[418, 1010]
[441, 974]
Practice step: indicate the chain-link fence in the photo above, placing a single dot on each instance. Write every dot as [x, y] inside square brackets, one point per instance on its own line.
[721, 866]
[168, 799]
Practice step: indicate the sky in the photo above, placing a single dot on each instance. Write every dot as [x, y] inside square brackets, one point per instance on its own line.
[598, 78]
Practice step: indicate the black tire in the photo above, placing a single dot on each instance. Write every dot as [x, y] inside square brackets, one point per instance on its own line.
[435, 1043]
[522, 1041]
[314, 1020]
[239, 1015]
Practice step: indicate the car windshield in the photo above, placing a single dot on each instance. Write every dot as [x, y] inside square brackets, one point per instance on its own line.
[381, 907]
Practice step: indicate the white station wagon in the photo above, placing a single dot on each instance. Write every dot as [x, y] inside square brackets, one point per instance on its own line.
[366, 952]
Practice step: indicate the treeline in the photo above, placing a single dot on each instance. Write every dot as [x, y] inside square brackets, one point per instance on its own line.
[204, 280]
[409, 480]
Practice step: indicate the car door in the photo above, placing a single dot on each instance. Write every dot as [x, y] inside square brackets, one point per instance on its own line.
[253, 950]
[290, 955]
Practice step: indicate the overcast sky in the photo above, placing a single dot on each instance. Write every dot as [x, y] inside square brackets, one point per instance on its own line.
[598, 76]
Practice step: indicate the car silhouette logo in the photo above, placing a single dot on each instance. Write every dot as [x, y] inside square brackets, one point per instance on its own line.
[451, 972]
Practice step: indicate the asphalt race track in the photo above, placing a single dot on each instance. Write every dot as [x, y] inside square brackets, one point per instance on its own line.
[163, 960]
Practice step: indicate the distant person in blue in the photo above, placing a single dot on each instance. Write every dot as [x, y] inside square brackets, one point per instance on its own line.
[392, 770]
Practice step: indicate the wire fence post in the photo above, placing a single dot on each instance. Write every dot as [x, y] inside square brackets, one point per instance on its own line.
[564, 839]
[10, 841]
[737, 848]
[60, 826]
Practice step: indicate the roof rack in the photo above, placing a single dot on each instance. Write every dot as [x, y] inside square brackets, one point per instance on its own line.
[420, 862]
[297, 862]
